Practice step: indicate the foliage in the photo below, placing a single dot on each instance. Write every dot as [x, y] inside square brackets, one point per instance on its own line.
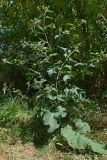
[61, 49]
[50, 118]
[17, 121]
[81, 142]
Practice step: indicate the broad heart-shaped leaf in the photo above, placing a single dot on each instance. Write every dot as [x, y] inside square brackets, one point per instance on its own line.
[78, 141]
[49, 119]
[74, 140]
[82, 127]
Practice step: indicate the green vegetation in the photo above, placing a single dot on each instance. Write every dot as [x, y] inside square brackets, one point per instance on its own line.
[16, 120]
[53, 73]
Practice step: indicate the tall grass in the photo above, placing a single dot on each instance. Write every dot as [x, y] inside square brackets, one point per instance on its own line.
[20, 123]
[16, 120]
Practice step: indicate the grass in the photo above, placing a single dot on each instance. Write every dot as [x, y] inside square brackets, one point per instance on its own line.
[16, 120]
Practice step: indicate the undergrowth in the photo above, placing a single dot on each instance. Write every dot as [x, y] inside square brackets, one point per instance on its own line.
[19, 123]
[16, 120]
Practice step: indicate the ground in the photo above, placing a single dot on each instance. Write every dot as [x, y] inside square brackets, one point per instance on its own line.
[28, 151]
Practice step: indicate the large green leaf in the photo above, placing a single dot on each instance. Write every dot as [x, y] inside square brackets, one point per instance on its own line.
[74, 139]
[82, 127]
[78, 141]
[49, 119]
[97, 147]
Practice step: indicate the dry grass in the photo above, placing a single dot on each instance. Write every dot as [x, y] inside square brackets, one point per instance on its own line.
[30, 152]
[17, 152]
